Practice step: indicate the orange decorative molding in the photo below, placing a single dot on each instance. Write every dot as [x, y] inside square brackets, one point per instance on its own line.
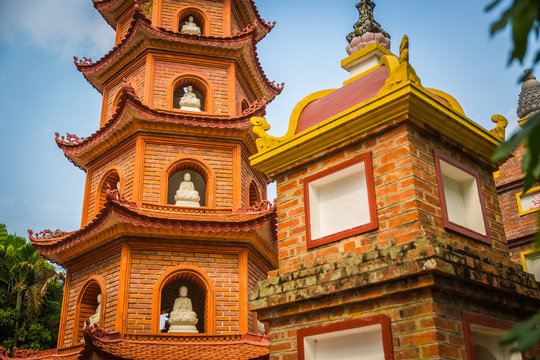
[191, 163]
[237, 176]
[156, 13]
[94, 279]
[87, 189]
[123, 289]
[138, 173]
[227, 18]
[202, 278]
[243, 291]
[199, 83]
[63, 314]
[199, 15]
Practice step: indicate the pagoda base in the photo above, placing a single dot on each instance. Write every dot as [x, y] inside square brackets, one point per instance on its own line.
[187, 203]
[184, 329]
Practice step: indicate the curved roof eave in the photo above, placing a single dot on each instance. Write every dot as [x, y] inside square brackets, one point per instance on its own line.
[72, 144]
[132, 213]
[139, 21]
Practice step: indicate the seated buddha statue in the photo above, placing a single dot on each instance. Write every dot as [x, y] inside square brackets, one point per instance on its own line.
[189, 101]
[94, 319]
[182, 318]
[190, 27]
[186, 195]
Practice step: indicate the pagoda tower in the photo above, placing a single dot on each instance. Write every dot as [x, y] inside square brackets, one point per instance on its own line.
[391, 243]
[175, 227]
[519, 210]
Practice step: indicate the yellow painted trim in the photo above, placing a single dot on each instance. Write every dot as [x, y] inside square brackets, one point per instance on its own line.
[524, 255]
[297, 111]
[362, 74]
[451, 100]
[496, 174]
[404, 100]
[518, 199]
[363, 52]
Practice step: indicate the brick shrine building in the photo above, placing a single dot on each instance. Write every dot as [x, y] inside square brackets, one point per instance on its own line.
[175, 229]
[519, 211]
[390, 237]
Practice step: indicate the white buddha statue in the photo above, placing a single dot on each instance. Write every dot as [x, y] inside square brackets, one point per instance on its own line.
[261, 329]
[186, 195]
[182, 318]
[94, 319]
[190, 27]
[189, 101]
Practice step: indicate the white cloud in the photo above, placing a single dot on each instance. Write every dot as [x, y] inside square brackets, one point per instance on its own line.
[69, 27]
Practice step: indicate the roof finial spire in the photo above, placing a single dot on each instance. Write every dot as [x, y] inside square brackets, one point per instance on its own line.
[529, 98]
[366, 29]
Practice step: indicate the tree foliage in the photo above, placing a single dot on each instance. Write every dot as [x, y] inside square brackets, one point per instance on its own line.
[30, 295]
[523, 17]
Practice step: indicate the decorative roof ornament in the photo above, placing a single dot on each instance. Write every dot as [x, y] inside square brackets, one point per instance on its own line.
[529, 98]
[366, 29]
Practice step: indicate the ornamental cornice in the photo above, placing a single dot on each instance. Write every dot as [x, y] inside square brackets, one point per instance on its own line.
[141, 29]
[74, 147]
[123, 211]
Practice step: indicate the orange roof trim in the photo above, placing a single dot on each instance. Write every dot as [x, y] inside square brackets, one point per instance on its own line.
[142, 25]
[201, 220]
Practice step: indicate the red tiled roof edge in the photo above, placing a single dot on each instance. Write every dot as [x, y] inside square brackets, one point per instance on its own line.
[72, 144]
[125, 211]
[86, 66]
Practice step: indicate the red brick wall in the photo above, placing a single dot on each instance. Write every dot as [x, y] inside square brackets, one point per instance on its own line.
[214, 11]
[125, 22]
[136, 79]
[108, 268]
[509, 183]
[160, 155]
[406, 194]
[125, 161]
[425, 324]
[148, 265]
[250, 173]
[242, 92]
[167, 71]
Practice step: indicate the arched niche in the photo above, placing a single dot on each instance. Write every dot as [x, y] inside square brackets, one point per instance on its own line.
[200, 291]
[87, 304]
[254, 196]
[114, 179]
[483, 353]
[243, 106]
[201, 88]
[199, 17]
[201, 176]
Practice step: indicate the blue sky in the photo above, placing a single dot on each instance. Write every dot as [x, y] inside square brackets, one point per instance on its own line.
[41, 91]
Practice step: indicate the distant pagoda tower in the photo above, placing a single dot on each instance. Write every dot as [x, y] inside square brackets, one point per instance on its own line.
[519, 210]
[390, 237]
[175, 229]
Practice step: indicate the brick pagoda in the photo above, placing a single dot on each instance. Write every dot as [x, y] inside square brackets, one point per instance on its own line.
[390, 237]
[170, 197]
[519, 211]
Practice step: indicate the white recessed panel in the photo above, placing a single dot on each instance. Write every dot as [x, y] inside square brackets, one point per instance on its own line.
[462, 198]
[486, 344]
[532, 263]
[360, 343]
[339, 201]
[527, 201]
